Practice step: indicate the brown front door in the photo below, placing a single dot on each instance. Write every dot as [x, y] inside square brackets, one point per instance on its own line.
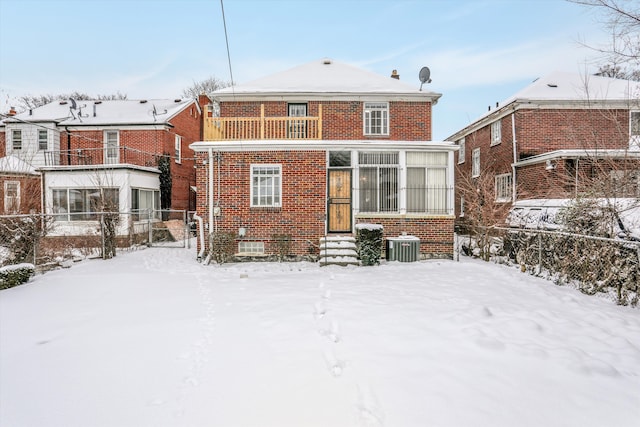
[339, 204]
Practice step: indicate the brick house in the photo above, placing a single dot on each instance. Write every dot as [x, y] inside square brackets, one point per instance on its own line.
[563, 135]
[78, 147]
[312, 151]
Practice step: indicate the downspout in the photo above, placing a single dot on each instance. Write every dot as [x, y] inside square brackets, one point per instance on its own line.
[66, 128]
[514, 181]
[201, 234]
[210, 198]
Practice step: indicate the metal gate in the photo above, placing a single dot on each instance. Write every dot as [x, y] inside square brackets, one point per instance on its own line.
[169, 229]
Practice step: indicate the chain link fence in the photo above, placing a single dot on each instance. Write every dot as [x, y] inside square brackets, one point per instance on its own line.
[588, 263]
[48, 242]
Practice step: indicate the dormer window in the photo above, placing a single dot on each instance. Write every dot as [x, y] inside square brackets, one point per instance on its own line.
[496, 132]
[376, 118]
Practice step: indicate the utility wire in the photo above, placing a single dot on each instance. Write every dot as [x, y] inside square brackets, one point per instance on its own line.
[226, 38]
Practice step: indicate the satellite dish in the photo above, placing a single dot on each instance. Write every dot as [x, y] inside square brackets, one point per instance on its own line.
[73, 104]
[424, 76]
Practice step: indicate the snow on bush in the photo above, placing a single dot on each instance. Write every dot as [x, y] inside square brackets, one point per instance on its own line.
[14, 275]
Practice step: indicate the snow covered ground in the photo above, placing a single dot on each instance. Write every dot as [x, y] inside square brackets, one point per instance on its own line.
[152, 338]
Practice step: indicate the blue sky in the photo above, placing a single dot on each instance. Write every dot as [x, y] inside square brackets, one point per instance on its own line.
[479, 51]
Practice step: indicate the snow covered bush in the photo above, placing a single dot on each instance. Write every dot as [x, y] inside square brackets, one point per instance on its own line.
[221, 246]
[14, 275]
[369, 243]
[21, 236]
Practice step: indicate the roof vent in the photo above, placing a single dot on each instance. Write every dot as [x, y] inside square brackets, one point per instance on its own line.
[143, 101]
[552, 85]
[326, 61]
[177, 100]
[63, 102]
[395, 75]
[97, 103]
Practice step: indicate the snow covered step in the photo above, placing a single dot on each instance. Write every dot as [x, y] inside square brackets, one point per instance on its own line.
[338, 250]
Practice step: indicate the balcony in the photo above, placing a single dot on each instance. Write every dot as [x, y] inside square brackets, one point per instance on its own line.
[257, 128]
[100, 156]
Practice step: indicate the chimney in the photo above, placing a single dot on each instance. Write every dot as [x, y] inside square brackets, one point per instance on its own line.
[395, 75]
[12, 111]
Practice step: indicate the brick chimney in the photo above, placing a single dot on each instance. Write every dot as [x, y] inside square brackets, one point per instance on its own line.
[12, 111]
[395, 75]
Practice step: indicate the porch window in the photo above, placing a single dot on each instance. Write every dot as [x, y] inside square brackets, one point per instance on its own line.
[266, 185]
[178, 149]
[82, 204]
[461, 151]
[427, 190]
[145, 201]
[376, 118]
[16, 139]
[475, 163]
[504, 188]
[634, 130]
[43, 139]
[378, 174]
[11, 196]
[496, 132]
[111, 144]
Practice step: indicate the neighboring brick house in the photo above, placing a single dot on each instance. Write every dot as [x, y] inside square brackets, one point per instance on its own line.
[312, 151]
[19, 187]
[563, 135]
[114, 145]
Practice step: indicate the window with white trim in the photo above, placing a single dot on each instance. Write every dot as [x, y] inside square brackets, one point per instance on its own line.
[427, 190]
[461, 206]
[634, 130]
[504, 187]
[378, 181]
[376, 118]
[82, 204]
[111, 147]
[178, 149]
[43, 139]
[496, 132]
[16, 139]
[250, 248]
[144, 201]
[475, 163]
[461, 151]
[11, 196]
[266, 185]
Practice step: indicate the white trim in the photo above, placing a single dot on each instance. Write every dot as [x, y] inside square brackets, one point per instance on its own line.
[503, 181]
[7, 200]
[475, 168]
[462, 149]
[573, 154]
[314, 145]
[383, 109]
[275, 204]
[107, 158]
[496, 132]
[178, 149]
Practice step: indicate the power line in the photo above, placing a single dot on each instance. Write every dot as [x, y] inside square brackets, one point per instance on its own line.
[226, 38]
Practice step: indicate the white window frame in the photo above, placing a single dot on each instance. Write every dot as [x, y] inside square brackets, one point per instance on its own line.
[461, 206]
[41, 140]
[178, 149]
[634, 130]
[111, 153]
[461, 151]
[503, 187]
[383, 190]
[475, 163]
[65, 211]
[16, 139]
[373, 112]
[496, 132]
[250, 248]
[272, 190]
[11, 203]
[430, 196]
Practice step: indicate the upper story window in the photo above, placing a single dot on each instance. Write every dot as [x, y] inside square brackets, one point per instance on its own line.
[111, 144]
[461, 151]
[496, 132]
[16, 139]
[178, 149]
[266, 185]
[378, 173]
[11, 196]
[634, 130]
[376, 118]
[43, 139]
[504, 188]
[475, 163]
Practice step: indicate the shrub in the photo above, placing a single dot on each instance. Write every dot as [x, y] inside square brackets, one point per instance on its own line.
[369, 242]
[14, 275]
[222, 246]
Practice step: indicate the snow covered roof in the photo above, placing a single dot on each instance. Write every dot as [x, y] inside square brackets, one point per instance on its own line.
[14, 165]
[326, 77]
[564, 88]
[96, 112]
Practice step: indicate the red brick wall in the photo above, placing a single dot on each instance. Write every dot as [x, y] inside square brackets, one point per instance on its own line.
[435, 233]
[3, 143]
[343, 120]
[30, 193]
[303, 197]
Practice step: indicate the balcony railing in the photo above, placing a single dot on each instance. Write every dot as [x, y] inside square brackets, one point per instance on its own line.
[100, 156]
[255, 128]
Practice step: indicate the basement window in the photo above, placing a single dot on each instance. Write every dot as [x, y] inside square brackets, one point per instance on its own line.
[250, 248]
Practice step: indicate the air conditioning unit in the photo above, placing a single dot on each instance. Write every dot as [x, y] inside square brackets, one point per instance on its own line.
[403, 248]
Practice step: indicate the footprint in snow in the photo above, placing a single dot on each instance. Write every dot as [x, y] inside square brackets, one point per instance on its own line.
[334, 365]
[369, 409]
